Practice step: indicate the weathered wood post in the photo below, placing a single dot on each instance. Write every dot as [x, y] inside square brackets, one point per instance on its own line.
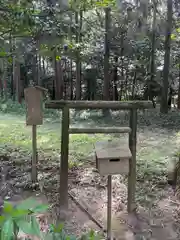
[109, 207]
[132, 163]
[63, 189]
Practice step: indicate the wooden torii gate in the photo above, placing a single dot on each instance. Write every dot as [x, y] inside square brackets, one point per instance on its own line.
[132, 106]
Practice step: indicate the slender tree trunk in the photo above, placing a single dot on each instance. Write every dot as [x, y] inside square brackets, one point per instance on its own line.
[1, 77]
[133, 84]
[4, 80]
[122, 66]
[18, 81]
[106, 54]
[59, 84]
[126, 85]
[71, 81]
[44, 69]
[35, 62]
[38, 62]
[167, 45]
[153, 39]
[115, 78]
[12, 69]
[78, 61]
[1, 86]
[71, 65]
[106, 93]
[178, 104]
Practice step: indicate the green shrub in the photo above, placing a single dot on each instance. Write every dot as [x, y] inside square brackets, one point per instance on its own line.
[22, 218]
[13, 107]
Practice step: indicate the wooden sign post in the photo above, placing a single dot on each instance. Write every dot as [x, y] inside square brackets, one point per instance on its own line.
[34, 117]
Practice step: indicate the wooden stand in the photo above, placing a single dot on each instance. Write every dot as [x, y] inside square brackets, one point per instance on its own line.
[113, 159]
[132, 106]
[34, 117]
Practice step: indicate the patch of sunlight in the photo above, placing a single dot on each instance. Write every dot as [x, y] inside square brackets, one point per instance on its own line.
[12, 118]
[50, 127]
[4, 125]
[153, 154]
[177, 137]
[50, 146]
[88, 138]
[178, 134]
[43, 139]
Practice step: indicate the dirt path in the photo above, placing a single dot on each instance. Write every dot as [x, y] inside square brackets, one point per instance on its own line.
[159, 222]
[156, 223]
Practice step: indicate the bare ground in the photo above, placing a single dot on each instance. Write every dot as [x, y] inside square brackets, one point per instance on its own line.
[158, 209]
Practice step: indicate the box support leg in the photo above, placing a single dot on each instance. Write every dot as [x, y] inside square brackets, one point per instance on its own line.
[63, 189]
[109, 206]
[132, 162]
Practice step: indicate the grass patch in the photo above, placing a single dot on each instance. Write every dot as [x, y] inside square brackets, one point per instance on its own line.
[14, 134]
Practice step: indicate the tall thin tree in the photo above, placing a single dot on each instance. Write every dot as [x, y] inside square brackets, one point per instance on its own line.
[106, 54]
[167, 46]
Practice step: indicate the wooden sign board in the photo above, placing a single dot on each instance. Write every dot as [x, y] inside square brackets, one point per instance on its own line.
[34, 112]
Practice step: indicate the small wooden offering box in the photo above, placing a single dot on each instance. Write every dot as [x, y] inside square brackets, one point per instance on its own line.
[111, 158]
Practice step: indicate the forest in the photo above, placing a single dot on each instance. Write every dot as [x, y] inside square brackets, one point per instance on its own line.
[91, 50]
[119, 51]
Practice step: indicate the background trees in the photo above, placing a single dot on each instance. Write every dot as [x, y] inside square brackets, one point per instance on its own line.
[91, 49]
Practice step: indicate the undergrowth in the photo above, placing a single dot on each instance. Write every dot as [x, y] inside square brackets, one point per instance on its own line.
[13, 107]
[21, 219]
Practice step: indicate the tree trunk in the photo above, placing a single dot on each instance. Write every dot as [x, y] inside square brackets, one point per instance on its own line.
[40, 70]
[71, 64]
[4, 79]
[18, 82]
[35, 63]
[167, 45]
[78, 61]
[1, 87]
[115, 78]
[133, 84]
[178, 103]
[12, 69]
[58, 84]
[152, 68]
[106, 55]
[122, 66]
[106, 94]
[44, 69]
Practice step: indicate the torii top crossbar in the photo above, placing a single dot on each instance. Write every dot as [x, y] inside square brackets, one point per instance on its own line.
[115, 105]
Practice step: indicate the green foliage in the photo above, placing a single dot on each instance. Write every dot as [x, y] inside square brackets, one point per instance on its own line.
[22, 218]
[13, 107]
